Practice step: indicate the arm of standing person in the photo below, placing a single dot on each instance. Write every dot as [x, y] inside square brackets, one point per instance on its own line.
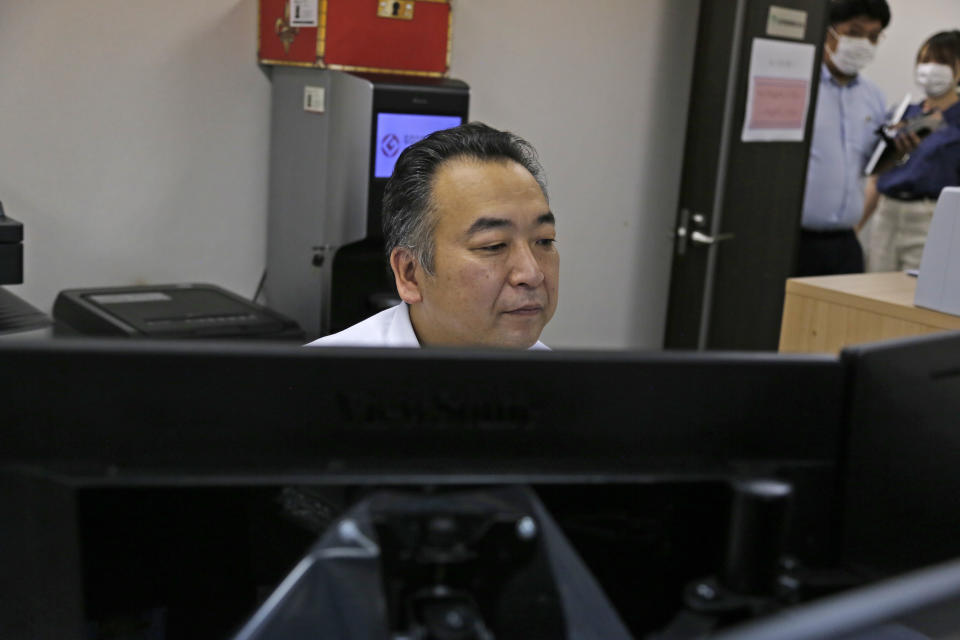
[870, 198]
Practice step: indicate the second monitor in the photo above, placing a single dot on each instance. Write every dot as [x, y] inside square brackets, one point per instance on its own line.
[335, 137]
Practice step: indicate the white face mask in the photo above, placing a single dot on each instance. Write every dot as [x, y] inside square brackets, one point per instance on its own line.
[852, 54]
[935, 79]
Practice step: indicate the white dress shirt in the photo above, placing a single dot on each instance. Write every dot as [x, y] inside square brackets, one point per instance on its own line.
[389, 328]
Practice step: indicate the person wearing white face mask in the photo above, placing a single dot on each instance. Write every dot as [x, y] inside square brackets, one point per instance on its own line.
[849, 111]
[909, 190]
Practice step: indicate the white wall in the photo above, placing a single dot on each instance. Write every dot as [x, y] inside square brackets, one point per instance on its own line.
[601, 90]
[134, 142]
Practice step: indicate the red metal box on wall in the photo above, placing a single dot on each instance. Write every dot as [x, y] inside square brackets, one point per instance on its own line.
[410, 37]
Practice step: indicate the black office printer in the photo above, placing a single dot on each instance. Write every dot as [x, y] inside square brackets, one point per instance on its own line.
[171, 311]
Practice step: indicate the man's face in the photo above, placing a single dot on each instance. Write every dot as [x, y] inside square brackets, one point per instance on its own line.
[496, 268]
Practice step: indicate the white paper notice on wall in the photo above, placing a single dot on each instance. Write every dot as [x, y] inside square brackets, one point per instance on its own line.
[303, 13]
[778, 94]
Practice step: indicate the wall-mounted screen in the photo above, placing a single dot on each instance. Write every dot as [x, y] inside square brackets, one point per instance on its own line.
[397, 131]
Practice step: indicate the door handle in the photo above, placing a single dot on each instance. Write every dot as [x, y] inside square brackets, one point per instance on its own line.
[701, 238]
[681, 233]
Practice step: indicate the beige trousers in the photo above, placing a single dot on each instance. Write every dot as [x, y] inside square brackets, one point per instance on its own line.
[899, 233]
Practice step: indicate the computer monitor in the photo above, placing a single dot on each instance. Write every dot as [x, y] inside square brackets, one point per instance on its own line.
[397, 131]
[374, 411]
[402, 110]
[901, 486]
[938, 281]
[920, 605]
[326, 267]
[174, 486]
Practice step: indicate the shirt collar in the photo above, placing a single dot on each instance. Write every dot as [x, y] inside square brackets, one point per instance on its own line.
[826, 76]
[400, 332]
[952, 113]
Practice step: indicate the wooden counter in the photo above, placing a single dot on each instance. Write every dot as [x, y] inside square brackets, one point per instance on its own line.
[826, 313]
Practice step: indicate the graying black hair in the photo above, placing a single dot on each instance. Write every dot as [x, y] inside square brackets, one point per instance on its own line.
[407, 197]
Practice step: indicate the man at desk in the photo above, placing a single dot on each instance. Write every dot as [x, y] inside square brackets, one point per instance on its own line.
[471, 242]
[849, 111]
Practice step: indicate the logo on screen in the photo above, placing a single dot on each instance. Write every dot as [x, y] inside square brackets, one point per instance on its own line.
[390, 145]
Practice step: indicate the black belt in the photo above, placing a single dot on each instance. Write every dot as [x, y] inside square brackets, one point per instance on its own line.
[825, 233]
[909, 197]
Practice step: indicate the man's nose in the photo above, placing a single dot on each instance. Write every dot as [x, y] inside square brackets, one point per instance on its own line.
[525, 269]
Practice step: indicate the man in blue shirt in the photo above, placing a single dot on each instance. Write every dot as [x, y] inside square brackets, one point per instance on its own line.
[850, 109]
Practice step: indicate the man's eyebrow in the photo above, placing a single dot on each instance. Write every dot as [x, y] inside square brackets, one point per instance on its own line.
[484, 224]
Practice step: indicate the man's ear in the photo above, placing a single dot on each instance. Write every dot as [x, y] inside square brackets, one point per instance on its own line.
[406, 272]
